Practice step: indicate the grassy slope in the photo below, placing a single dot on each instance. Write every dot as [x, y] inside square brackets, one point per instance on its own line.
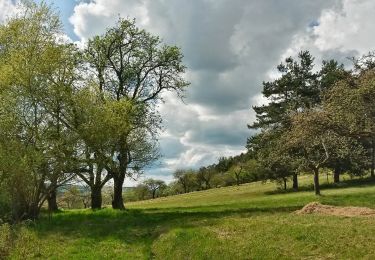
[227, 223]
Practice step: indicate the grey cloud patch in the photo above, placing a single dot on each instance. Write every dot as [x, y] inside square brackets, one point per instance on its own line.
[171, 147]
[344, 57]
[213, 136]
[202, 28]
[230, 45]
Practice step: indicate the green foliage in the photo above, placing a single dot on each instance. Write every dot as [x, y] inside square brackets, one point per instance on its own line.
[154, 187]
[314, 120]
[187, 179]
[34, 144]
[66, 113]
[296, 89]
[129, 66]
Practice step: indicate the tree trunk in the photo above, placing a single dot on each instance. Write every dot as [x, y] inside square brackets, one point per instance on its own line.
[52, 202]
[285, 180]
[295, 181]
[336, 175]
[316, 181]
[373, 159]
[30, 212]
[118, 202]
[96, 197]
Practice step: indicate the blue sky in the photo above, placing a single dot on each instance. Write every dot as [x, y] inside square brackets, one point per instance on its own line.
[230, 47]
[65, 8]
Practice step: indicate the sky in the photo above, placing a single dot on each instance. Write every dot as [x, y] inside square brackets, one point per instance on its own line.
[230, 47]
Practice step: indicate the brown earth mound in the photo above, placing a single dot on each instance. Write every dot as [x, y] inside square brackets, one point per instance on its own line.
[317, 208]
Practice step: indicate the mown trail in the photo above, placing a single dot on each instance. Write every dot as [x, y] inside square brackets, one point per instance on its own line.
[246, 222]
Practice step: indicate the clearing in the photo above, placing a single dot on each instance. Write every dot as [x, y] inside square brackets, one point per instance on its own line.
[246, 222]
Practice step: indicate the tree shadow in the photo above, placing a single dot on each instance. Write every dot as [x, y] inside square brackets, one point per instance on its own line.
[136, 226]
[363, 182]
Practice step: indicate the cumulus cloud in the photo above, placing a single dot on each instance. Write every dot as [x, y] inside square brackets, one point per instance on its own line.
[7, 9]
[91, 18]
[347, 29]
[338, 33]
[230, 47]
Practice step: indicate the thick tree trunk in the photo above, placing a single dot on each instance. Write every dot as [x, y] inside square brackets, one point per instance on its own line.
[25, 212]
[118, 202]
[316, 182]
[336, 175]
[237, 179]
[52, 201]
[295, 181]
[373, 159]
[96, 197]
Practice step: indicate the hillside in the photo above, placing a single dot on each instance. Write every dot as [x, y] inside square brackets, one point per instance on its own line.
[250, 221]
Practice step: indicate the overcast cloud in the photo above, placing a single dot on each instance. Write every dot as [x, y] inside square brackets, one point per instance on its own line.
[230, 47]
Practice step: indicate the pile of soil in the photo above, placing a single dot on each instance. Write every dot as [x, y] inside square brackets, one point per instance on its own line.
[317, 208]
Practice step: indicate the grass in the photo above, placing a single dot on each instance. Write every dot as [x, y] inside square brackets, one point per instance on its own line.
[247, 222]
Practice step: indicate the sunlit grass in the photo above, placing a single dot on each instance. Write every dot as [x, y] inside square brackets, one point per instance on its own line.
[245, 222]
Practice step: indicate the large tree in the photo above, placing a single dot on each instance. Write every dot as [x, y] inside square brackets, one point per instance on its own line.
[36, 71]
[296, 90]
[299, 89]
[99, 125]
[313, 140]
[131, 64]
[350, 106]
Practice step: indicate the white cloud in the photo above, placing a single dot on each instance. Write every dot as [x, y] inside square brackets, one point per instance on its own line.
[339, 33]
[92, 18]
[350, 28]
[7, 9]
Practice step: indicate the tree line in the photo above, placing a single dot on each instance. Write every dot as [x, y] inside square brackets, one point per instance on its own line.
[228, 171]
[314, 119]
[88, 115]
[317, 118]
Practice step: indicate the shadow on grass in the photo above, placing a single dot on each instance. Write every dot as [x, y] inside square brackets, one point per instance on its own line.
[135, 226]
[144, 226]
[363, 182]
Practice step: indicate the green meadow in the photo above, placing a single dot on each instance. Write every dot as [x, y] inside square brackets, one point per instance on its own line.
[252, 221]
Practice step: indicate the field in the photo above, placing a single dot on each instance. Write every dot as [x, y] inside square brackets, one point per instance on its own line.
[251, 221]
